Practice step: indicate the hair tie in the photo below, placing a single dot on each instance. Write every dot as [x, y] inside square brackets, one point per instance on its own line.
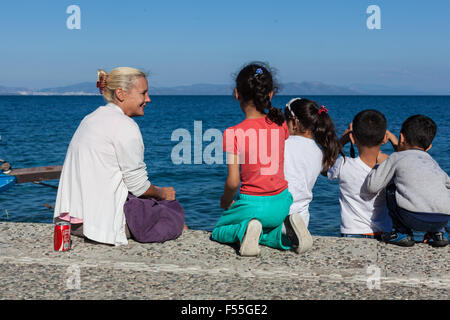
[323, 109]
[101, 81]
[259, 71]
[288, 105]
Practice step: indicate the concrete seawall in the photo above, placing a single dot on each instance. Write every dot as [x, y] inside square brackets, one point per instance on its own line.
[194, 267]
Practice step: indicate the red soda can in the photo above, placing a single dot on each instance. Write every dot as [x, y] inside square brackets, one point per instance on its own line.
[61, 237]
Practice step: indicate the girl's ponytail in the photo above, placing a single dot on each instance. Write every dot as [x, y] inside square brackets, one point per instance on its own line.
[325, 135]
[255, 83]
[275, 115]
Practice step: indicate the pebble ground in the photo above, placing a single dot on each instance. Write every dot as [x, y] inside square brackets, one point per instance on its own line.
[194, 267]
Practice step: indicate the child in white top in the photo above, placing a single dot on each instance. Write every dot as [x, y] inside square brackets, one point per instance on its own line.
[363, 214]
[312, 148]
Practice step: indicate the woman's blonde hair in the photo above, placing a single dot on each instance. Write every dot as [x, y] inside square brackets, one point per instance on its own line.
[122, 77]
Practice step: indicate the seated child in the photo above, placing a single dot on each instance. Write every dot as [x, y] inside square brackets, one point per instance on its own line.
[419, 197]
[261, 211]
[363, 214]
[312, 148]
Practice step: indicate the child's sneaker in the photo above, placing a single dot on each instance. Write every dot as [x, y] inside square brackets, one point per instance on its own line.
[436, 239]
[399, 239]
[250, 242]
[297, 233]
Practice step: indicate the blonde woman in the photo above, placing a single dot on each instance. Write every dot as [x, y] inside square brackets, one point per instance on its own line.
[104, 189]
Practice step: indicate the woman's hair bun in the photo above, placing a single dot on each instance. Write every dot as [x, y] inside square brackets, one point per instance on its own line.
[102, 75]
[121, 77]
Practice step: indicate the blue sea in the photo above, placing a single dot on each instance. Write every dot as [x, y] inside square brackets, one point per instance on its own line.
[36, 131]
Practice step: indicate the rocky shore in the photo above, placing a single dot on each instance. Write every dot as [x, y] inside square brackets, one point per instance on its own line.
[194, 267]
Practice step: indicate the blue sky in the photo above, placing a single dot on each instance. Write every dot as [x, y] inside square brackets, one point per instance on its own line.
[186, 42]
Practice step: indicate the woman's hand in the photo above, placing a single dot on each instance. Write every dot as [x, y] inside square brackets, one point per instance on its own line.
[166, 193]
[162, 193]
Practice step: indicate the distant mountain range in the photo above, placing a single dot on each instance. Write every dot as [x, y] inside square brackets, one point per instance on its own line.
[84, 88]
[291, 88]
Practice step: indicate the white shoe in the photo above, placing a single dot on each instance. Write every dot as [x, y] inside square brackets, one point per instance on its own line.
[298, 233]
[250, 242]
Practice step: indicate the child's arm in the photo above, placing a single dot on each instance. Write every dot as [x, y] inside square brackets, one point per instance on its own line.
[392, 139]
[335, 170]
[232, 183]
[447, 183]
[381, 157]
[381, 175]
[346, 136]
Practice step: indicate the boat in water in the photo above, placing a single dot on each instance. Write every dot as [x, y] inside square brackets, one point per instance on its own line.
[6, 181]
[9, 176]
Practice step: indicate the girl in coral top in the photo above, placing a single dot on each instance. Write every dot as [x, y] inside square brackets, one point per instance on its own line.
[255, 159]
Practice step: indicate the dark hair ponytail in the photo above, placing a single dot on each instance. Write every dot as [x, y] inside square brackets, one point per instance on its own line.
[255, 83]
[311, 117]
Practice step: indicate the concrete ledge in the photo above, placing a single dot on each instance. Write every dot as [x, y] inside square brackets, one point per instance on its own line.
[194, 267]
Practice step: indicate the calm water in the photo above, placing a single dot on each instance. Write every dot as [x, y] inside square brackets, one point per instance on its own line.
[36, 131]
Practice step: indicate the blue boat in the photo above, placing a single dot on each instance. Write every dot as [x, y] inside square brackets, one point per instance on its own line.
[6, 181]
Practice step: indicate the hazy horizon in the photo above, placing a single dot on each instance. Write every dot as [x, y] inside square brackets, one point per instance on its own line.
[190, 89]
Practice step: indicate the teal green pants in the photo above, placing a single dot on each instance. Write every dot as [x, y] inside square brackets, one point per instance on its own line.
[269, 210]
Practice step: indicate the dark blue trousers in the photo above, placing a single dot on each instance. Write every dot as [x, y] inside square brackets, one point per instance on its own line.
[405, 221]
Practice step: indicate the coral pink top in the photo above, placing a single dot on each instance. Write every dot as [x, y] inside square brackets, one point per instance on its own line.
[260, 146]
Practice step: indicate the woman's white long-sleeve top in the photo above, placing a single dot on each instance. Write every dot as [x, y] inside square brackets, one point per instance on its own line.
[104, 161]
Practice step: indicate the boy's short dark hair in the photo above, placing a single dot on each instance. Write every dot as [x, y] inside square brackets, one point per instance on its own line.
[369, 128]
[419, 131]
